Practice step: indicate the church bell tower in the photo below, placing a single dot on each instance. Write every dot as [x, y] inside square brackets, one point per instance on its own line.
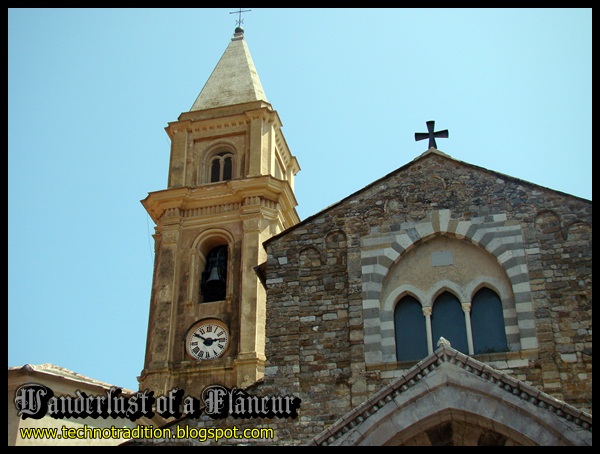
[230, 188]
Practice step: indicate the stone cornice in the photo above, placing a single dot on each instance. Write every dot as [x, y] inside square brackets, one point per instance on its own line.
[221, 114]
[236, 121]
[224, 197]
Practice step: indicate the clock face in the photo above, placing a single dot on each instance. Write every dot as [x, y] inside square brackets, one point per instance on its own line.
[208, 340]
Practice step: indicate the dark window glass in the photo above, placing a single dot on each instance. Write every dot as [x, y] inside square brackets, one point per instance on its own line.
[215, 170]
[227, 168]
[448, 321]
[411, 336]
[221, 167]
[487, 323]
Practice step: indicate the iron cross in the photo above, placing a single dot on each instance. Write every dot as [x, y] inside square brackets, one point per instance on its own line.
[431, 135]
[240, 21]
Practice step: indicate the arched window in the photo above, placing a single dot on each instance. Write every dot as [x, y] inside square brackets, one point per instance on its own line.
[411, 335]
[487, 323]
[448, 321]
[417, 329]
[213, 283]
[221, 167]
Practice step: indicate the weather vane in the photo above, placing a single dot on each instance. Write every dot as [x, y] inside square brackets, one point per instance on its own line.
[431, 135]
[239, 21]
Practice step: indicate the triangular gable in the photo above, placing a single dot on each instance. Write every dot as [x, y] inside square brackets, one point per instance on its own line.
[450, 386]
[432, 152]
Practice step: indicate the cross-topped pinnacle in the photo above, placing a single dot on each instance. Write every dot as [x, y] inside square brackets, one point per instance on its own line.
[431, 135]
[239, 21]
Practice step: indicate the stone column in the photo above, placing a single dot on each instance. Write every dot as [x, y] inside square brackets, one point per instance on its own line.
[427, 314]
[466, 307]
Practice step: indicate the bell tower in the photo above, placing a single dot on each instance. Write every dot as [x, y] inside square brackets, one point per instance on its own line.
[230, 188]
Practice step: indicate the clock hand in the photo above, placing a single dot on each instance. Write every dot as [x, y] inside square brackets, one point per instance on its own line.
[208, 342]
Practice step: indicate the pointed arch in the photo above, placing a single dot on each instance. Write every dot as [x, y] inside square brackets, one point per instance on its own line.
[495, 240]
[410, 329]
[445, 285]
[487, 322]
[448, 321]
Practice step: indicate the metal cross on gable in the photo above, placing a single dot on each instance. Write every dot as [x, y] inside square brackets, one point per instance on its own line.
[239, 21]
[431, 135]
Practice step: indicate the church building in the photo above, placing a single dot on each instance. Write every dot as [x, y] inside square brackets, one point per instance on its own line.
[443, 304]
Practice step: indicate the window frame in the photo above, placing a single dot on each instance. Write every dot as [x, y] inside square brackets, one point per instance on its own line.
[428, 311]
[224, 158]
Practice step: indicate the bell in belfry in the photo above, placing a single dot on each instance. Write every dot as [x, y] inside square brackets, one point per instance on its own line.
[214, 278]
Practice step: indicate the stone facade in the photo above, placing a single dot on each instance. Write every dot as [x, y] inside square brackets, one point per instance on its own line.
[331, 285]
[319, 320]
[328, 337]
[461, 402]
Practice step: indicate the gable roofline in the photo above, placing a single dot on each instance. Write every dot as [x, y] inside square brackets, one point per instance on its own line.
[424, 155]
[52, 370]
[446, 356]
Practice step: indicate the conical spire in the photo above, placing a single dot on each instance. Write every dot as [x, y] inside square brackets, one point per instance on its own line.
[234, 80]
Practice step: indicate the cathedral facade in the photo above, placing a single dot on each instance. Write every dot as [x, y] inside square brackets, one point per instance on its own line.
[498, 267]
[443, 304]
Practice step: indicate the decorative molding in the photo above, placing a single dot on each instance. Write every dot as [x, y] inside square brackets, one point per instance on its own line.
[500, 237]
[420, 371]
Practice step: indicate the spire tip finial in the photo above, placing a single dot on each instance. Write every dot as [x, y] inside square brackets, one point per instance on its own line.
[239, 21]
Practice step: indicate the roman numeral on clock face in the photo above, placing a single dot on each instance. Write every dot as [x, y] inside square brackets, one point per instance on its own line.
[208, 341]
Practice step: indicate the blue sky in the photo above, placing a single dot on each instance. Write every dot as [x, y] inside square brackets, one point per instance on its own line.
[91, 90]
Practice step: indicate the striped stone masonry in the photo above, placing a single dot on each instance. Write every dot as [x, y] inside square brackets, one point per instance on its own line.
[495, 233]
